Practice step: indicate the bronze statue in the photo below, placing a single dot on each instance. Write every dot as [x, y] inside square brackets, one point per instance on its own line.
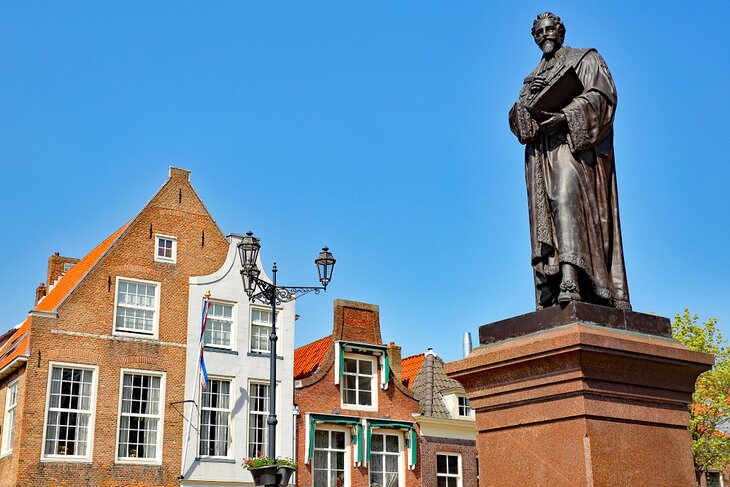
[564, 116]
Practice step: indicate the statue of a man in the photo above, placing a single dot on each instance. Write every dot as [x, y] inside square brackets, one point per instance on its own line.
[575, 231]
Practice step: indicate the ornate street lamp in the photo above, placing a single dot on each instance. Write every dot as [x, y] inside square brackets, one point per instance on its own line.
[272, 294]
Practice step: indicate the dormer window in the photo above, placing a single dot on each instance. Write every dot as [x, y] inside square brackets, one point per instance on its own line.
[165, 249]
[464, 407]
[359, 382]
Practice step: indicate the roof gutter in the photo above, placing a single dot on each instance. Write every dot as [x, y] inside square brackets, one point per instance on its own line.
[14, 364]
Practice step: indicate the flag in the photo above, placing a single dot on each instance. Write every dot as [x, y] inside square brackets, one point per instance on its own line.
[203, 371]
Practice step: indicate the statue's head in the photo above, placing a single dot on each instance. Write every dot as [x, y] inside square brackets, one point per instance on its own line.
[549, 32]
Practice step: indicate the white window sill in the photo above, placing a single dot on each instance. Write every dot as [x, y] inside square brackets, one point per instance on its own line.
[137, 461]
[358, 407]
[141, 336]
[6, 454]
[65, 459]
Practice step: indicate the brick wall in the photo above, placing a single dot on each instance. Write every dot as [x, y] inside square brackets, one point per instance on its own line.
[430, 446]
[356, 322]
[82, 334]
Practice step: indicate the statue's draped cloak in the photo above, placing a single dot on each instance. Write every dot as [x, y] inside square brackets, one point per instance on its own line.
[571, 184]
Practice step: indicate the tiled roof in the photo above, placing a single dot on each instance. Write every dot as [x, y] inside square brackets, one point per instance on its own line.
[74, 275]
[410, 367]
[18, 344]
[308, 358]
[429, 384]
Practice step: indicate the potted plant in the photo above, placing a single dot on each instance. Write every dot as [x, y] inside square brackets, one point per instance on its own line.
[263, 469]
[286, 467]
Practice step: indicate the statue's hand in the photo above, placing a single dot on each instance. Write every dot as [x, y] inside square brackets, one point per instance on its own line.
[554, 124]
[537, 85]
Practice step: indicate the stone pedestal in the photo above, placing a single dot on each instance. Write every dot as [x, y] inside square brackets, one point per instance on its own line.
[582, 395]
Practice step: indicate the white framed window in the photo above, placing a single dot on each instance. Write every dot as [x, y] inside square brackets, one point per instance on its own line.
[260, 330]
[448, 470]
[464, 406]
[165, 249]
[330, 463]
[11, 404]
[258, 412]
[137, 307]
[219, 328]
[141, 415]
[215, 418]
[359, 384]
[386, 459]
[68, 432]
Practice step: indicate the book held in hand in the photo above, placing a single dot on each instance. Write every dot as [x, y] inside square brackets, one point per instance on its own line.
[559, 92]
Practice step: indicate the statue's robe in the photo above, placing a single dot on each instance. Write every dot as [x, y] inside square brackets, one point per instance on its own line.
[571, 186]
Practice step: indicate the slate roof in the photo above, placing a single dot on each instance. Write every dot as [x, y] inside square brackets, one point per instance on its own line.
[308, 358]
[429, 385]
[18, 344]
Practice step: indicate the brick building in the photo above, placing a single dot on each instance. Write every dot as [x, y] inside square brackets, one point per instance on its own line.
[446, 422]
[89, 381]
[355, 425]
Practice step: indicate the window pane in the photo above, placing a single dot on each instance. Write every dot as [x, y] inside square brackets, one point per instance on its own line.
[366, 367]
[453, 464]
[338, 440]
[321, 439]
[391, 443]
[376, 443]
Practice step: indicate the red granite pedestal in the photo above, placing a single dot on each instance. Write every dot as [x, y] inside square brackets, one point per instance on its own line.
[562, 399]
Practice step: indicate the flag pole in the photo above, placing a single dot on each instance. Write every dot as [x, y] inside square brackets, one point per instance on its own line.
[196, 382]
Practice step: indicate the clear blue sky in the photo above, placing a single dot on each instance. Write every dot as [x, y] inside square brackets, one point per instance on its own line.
[378, 128]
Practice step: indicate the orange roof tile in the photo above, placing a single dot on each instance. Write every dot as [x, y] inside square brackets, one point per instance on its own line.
[18, 343]
[410, 367]
[308, 358]
[70, 279]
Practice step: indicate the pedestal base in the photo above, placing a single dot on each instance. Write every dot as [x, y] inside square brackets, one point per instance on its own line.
[582, 405]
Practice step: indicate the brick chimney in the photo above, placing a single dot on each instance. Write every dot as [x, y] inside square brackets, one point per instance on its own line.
[40, 292]
[57, 266]
[394, 352]
[356, 322]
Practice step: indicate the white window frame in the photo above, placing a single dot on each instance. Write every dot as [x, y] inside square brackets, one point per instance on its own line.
[8, 425]
[234, 313]
[155, 319]
[374, 383]
[251, 325]
[161, 419]
[92, 415]
[467, 406]
[265, 414]
[231, 401]
[401, 453]
[166, 260]
[348, 451]
[459, 478]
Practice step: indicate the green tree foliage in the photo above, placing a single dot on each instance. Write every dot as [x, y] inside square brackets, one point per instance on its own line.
[711, 400]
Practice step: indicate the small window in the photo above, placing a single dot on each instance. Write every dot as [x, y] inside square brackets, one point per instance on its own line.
[448, 470]
[165, 249]
[385, 460]
[464, 407]
[219, 327]
[11, 403]
[328, 464]
[70, 413]
[359, 384]
[215, 415]
[137, 307]
[260, 330]
[140, 417]
[258, 412]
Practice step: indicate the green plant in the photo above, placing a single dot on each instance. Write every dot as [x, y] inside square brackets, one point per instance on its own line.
[258, 461]
[286, 462]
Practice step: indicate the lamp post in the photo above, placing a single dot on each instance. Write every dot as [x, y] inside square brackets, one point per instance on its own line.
[273, 294]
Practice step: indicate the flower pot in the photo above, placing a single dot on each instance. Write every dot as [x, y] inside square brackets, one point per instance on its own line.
[285, 474]
[265, 475]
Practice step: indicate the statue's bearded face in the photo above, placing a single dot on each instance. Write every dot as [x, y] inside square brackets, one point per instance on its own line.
[547, 35]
